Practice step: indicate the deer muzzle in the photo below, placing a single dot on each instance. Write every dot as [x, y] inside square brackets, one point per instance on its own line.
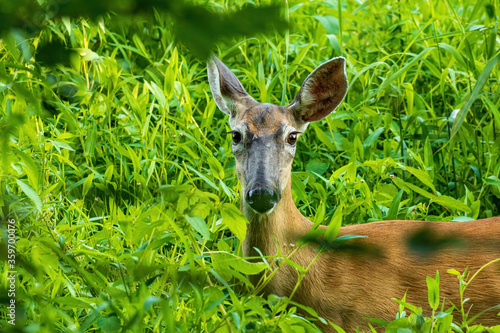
[262, 200]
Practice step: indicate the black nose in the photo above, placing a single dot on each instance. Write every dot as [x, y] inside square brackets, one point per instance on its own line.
[262, 199]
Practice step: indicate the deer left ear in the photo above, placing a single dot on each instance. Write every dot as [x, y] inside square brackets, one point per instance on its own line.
[229, 94]
[322, 91]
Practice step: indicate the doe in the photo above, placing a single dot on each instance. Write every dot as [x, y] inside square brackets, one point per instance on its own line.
[342, 286]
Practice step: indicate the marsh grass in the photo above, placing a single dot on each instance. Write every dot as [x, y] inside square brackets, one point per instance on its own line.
[116, 166]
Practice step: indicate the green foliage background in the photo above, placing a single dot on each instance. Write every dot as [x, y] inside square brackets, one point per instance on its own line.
[116, 167]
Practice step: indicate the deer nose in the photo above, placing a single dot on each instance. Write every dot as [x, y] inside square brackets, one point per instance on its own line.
[262, 199]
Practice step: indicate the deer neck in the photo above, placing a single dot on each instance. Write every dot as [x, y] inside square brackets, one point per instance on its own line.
[283, 226]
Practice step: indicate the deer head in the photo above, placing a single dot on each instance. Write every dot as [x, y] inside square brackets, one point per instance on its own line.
[264, 135]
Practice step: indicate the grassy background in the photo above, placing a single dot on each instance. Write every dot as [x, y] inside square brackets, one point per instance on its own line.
[116, 166]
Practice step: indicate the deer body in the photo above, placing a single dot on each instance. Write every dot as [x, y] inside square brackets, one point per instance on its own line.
[343, 285]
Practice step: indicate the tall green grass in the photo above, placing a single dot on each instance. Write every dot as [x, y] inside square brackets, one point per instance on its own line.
[116, 166]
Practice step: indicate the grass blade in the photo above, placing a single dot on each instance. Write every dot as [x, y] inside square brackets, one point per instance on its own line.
[457, 123]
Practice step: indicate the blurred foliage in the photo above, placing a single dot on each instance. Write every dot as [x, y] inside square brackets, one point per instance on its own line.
[195, 25]
[116, 168]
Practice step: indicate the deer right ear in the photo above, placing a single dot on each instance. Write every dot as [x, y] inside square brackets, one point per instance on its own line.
[322, 91]
[226, 88]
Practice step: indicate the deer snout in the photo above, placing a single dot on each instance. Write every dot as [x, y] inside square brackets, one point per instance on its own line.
[262, 199]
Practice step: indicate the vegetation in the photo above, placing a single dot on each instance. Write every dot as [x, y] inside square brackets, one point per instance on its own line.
[119, 179]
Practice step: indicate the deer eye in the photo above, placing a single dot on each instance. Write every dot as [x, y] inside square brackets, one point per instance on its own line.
[236, 137]
[292, 139]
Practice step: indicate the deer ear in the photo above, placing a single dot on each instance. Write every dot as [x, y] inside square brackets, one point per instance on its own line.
[322, 91]
[227, 90]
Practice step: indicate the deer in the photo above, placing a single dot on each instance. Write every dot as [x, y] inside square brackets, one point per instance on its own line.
[343, 286]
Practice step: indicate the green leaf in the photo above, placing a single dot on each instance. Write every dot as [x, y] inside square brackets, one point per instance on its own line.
[199, 225]
[378, 321]
[394, 209]
[243, 266]
[451, 203]
[462, 219]
[403, 70]
[334, 41]
[109, 324]
[208, 181]
[454, 53]
[150, 301]
[329, 22]
[134, 158]
[453, 271]
[234, 220]
[340, 171]
[334, 225]
[460, 117]
[324, 138]
[351, 170]
[422, 176]
[216, 167]
[216, 303]
[403, 305]
[492, 180]
[317, 167]
[298, 187]
[138, 43]
[370, 140]
[86, 184]
[87, 54]
[346, 238]
[337, 328]
[54, 188]
[58, 144]
[157, 92]
[401, 183]
[73, 302]
[30, 167]
[295, 265]
[433, 291]
[109, 173]
[31, 193]
[91, 140]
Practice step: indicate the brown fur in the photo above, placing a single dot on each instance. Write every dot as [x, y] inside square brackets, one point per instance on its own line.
[344, 287]
[264, 119]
